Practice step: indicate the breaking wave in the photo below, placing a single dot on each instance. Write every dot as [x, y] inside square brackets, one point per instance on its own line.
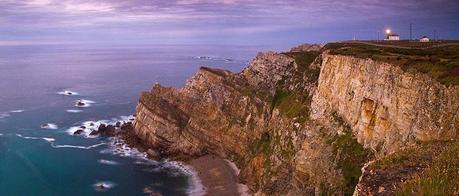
[103, 185]
[16, 111]
[83, 103]
[74, 111]
[67, 93]
[49, 126]
[88, 126]
[52, 140]
[107, 162]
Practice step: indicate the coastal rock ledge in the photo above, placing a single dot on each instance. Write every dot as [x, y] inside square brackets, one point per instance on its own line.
[304, 122]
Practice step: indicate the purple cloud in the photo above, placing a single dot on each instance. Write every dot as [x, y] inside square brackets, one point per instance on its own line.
[204, 21]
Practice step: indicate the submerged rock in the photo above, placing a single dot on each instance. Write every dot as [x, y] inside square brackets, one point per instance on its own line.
[78, 132]
[80, 103]
[44, 126]
[94, 132]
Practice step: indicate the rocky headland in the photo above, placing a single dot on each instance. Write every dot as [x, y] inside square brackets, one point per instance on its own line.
[331, 120]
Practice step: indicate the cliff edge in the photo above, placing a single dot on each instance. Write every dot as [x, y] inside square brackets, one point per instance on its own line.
[304, 122]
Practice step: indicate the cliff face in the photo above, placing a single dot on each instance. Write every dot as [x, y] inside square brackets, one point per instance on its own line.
[297, 123]
[386, 107]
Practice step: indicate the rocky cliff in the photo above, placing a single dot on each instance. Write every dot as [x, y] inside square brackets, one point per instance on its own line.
[298, 123]
[386, 107]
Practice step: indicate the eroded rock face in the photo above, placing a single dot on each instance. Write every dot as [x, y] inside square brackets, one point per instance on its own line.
[267, 69]
[290, 131]
[386, 107]
[232, 115]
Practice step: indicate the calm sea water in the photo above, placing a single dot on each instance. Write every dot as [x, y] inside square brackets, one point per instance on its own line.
[36, 161]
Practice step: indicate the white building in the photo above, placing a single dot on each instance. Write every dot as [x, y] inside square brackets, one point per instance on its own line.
[424, 39]
[393, 37]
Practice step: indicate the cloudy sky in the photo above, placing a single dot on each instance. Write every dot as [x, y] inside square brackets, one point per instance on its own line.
[248, 22]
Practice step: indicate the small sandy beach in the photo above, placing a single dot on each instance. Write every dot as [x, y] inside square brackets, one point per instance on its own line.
[216, 175]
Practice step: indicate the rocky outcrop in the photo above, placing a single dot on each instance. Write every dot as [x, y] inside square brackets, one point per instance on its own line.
[298, 123]
[386, 107]
[306, 48]
[236, 116]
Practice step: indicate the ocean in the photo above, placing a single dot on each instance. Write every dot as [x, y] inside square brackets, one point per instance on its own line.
[38, 153]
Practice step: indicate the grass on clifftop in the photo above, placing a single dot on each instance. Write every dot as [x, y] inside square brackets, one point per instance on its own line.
[441, 63]
[441, 178]
[429, 168]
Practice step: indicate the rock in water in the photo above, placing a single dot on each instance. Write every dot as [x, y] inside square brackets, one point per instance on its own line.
[94, 132]
[102, 127]
[80, 103]
[118, 124]
[78, 132]
[126, 126]
[153, 154]
[106, 130]
[100, 187]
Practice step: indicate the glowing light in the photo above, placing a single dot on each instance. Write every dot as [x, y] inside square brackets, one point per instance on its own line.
[388, 31]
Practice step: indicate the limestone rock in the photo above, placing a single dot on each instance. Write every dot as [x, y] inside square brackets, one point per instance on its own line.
[386, 107]
[306, 48]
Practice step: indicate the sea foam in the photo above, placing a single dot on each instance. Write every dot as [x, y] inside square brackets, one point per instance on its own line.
[67, 93]
[77, 147]
[74, 111]
[86, 103]
[17, 111]
[103, 185]
[49, 126]
[52, 140]
[107, 162]
[89, 126]
[4, 115]
[117, 146]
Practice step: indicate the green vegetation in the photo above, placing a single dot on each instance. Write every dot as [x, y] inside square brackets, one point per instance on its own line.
[350, 156]
[263, 146]
[440, 63]
[441, 178]
[279, 97]
[413, 44]
[401, 159]
[292, 104]
[303, 60]
[326, 190]
[295, 103]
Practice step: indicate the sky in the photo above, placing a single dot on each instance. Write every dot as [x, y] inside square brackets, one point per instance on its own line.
[220, 22]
